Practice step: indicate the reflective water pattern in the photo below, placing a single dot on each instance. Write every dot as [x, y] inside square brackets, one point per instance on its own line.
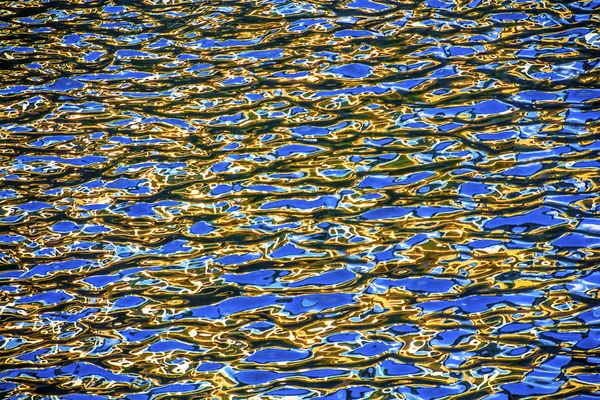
[357, 199]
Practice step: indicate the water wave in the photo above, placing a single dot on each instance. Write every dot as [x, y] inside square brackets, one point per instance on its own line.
[303, 199]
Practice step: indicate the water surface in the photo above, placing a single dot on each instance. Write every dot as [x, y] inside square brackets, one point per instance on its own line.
[349, 199]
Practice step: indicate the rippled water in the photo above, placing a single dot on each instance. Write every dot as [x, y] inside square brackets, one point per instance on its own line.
[304, 199]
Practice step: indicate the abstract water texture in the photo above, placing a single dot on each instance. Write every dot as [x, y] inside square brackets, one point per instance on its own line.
[356, 199]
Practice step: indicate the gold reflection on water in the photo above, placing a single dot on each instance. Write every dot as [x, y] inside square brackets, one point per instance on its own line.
[173, 205]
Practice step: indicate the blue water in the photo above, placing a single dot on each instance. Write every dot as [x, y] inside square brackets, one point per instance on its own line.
[299, 199]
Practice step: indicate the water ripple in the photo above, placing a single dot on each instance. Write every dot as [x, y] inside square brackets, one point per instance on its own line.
[299, 199]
